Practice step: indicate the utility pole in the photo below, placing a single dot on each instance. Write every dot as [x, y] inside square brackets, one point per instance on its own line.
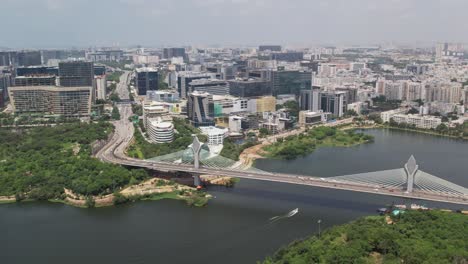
[318, 222]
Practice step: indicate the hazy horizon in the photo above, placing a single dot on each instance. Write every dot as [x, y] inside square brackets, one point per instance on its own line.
[85, 23]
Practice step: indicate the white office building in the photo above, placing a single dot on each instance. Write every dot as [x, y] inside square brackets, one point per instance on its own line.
[160, 132]
[215, 135]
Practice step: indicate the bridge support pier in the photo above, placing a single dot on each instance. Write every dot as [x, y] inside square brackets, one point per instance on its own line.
[196, 180]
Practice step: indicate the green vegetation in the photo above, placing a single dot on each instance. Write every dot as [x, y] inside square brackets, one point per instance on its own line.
[232, 150]
[382, 104]
[143, 150]
[415, 237]
[116, 64]
[115, 113]
[291, 106]
[39, 163]
[137, 109]
[114, 97]
[114, 76]
[292, 147]
[192, 198]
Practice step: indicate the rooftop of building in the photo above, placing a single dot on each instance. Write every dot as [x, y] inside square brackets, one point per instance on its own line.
[161, 124]
[50, 88]
[146, 69]
[213, 130]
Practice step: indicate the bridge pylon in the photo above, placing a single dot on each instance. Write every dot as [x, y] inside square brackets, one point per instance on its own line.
[411, 167]
[196, 148]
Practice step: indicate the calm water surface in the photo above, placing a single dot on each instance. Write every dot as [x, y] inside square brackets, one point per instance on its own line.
[235, 226]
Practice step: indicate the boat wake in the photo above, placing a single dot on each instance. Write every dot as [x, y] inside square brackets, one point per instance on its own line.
[288, 215]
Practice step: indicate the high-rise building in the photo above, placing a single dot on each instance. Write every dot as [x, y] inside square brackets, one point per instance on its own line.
[8, 58]
[333, 102]
[269, 48]
[200, 109]
[290, 82]
[147, 79]
[249, 88]
[290, 56]
[211, 86]
[100, 82]
[169, 53]
[184, 78]
[29, 58]
[64, 101]
[310, 100]
[76, 73]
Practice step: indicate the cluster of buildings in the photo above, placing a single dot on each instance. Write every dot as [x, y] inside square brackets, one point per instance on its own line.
[228, 91]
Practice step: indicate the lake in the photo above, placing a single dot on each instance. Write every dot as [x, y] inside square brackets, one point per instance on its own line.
[235, 227]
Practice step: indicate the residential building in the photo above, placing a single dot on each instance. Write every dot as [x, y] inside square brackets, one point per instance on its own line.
[420, 121]
[387, 115]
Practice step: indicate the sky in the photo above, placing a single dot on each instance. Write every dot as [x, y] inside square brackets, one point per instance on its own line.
[85, 23]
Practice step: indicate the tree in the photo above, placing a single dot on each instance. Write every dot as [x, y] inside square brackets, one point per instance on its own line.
[351, 112]
[442, 128]
[114, 97]
[413, 111]
[264, 132]
[115, 113]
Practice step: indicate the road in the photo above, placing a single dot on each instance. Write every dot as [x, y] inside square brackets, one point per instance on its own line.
[114, 152]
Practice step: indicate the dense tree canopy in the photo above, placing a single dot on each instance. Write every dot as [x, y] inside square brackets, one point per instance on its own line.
[414, 237]
[39, 163]
[294, 146]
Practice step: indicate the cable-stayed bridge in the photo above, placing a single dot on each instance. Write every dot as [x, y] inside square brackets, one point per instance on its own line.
[407, 182]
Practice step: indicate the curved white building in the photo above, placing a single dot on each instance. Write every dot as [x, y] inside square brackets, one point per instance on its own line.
[160, 132]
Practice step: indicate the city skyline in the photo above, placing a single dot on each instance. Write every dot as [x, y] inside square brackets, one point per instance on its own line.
[71, 23]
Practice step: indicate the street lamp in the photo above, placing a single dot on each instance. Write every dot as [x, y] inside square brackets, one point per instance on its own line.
[318, 222]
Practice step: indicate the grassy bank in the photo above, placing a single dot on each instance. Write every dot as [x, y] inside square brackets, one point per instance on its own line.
[305, 143]
[414, 237]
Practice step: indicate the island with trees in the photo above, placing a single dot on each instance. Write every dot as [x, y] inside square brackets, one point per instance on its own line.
[305, 143]
[409, 237]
